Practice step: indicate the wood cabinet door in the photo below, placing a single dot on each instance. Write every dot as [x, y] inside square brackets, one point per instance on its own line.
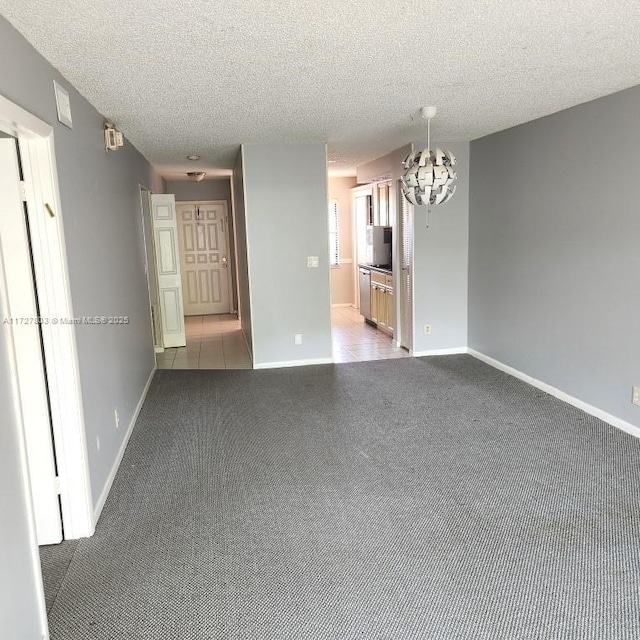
[382, 308]
[383, 205]
[391, 311]
[374, 303]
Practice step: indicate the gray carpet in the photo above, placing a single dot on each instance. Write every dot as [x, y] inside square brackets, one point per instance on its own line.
[55, 560]
[420, 498]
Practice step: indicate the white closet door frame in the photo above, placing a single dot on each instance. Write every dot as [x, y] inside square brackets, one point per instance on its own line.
[165, 235]
[37, 151]
[32, 382]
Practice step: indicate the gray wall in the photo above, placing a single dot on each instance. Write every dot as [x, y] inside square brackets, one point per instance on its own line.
[105, 245]
[217, 189]
[555, 250]
[440, 266]
[21, 609]
[387, 167]
[244, 292]
[286, 210]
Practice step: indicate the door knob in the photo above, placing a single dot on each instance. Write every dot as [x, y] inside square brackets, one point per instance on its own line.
[224, 262]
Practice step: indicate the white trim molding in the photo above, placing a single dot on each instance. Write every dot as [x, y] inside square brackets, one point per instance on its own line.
[439, 352]
[614, 421]
[116, 464]
[292, 363]
[37, 149]
[341, 305]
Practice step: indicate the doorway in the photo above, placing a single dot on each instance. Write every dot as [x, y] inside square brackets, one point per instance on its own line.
[364, 328]
[203, 237]
[58, 345]
[26, 323]
[204, 250]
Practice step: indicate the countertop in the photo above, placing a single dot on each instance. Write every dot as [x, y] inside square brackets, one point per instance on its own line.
[386, 270]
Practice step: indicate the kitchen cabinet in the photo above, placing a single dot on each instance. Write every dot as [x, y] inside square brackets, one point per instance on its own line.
[383, 217]
[374, 303]
[390, 303]
[382, 301]
[381, 209]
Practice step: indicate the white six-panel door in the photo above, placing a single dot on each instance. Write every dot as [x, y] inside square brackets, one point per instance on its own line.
[28, 348]
[202, 233]
[165, 235]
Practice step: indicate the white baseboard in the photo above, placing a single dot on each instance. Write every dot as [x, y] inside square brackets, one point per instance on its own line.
[341, 305]
[116, 465]
[561, 395]
[292, 363]
[158, 349]
[439, 352]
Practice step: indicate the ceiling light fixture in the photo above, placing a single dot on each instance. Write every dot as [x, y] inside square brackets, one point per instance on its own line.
[193, 157]
[196, 176]
[429, 174]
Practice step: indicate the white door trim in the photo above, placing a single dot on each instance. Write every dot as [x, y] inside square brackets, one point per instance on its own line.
[35, 567]
[36, 141]
[232, 202]
[28, 348]
[227, 238]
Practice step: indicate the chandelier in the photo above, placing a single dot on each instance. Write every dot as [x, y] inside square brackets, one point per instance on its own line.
[429, 174]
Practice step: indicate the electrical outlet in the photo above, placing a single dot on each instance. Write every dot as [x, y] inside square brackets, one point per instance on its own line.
[97, 443]
[427, 328]
[635, 398]
[117, 419]
[297, 338]
[312, 262]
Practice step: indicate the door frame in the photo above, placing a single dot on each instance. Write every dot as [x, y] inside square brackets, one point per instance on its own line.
[37, 151]
[227, 237]
[155, 319]
[356, 192]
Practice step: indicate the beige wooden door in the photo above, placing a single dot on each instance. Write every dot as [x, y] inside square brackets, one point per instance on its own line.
[202, 232]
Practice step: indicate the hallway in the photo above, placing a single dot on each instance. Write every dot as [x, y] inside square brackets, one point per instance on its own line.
[213, 342]
[356, 341]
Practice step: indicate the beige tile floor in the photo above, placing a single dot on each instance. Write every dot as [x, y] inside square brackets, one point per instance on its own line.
[213, 342]
[354, 340]
[216, 342]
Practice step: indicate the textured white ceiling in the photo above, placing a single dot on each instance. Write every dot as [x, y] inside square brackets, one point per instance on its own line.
[204, 76]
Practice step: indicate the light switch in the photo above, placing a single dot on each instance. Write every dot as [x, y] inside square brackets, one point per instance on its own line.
[312, 262]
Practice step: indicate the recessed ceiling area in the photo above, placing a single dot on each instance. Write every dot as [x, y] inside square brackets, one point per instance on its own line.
[205, 77]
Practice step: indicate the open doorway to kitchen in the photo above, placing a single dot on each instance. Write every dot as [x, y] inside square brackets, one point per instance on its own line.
[206, 242]
[363, 305]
